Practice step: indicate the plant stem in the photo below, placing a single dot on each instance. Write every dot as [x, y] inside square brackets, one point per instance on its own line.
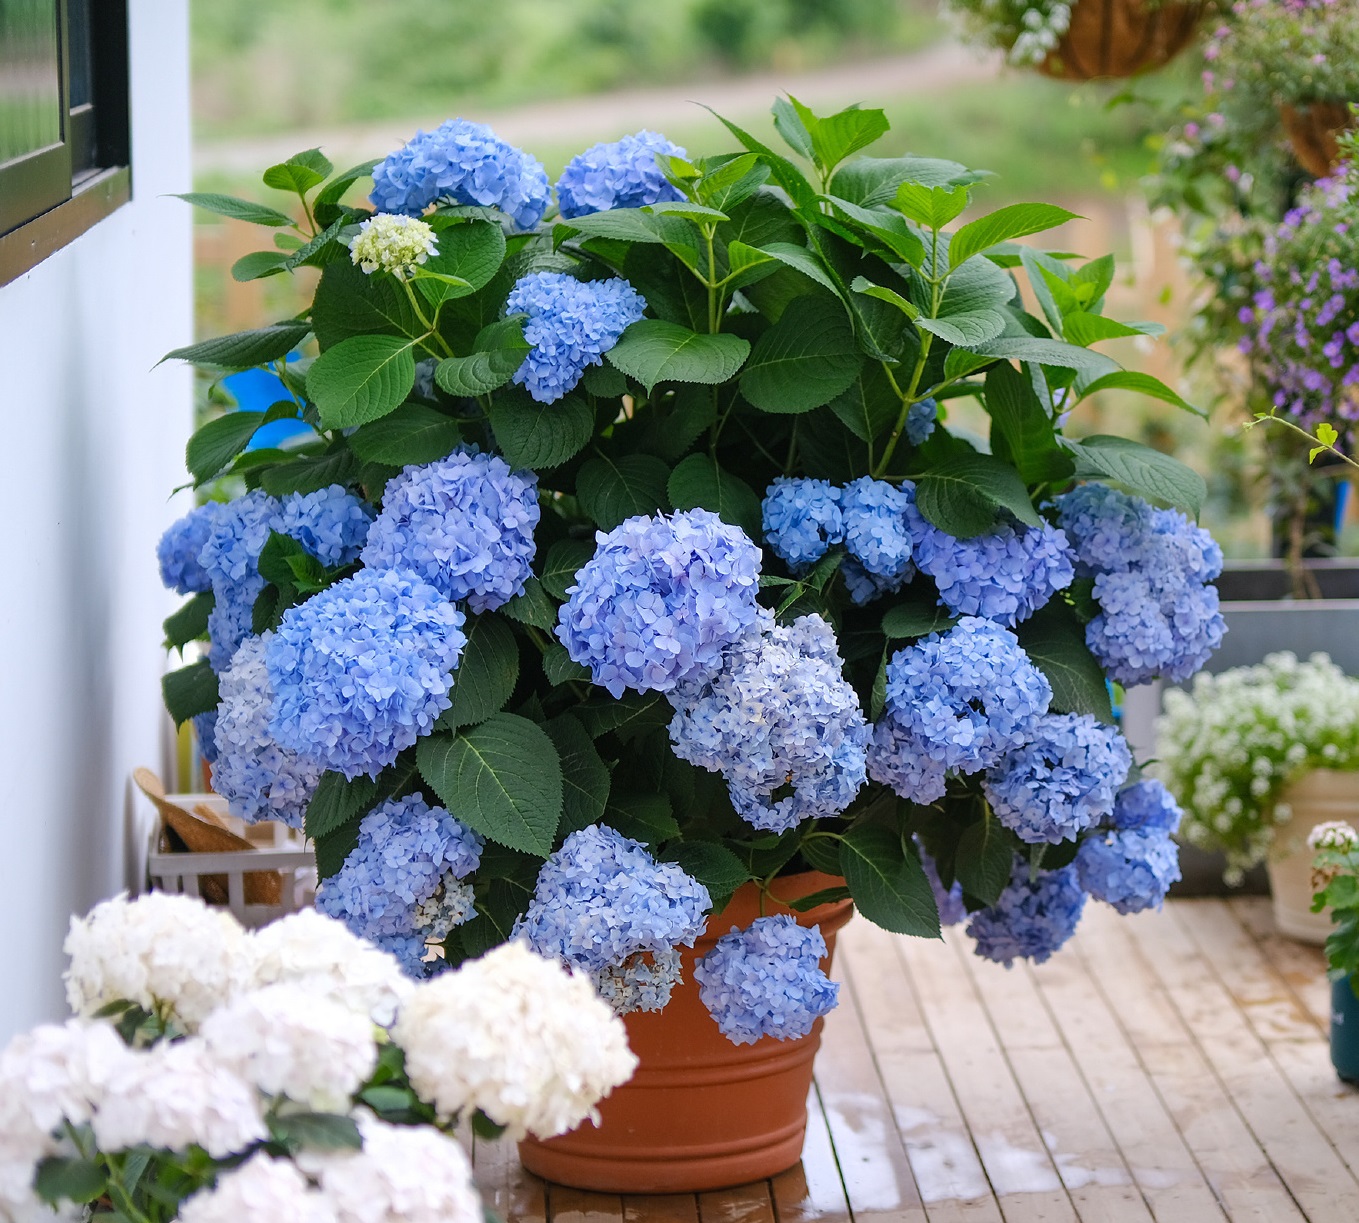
[430, 331]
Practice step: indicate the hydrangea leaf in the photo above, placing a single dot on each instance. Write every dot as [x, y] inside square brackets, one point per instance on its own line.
[631, 715]
[300, 173]
[789, 177]
[963, 495]
[218, 442]
[189, 691]
[871, 181]
[888, 884]
[585, 777]
[800, 259]
[1048, 352]
[532, 606]
[653, 351]
[700, 482]
[487, 673]
[814, 900]
[1021, 430]
[413, 433]
[966, 327]
[361, 379]
[315, 1132]
[870, 407]
[1081, 327]
[986, 854]
[564, 560]
[561, 668]
[337, 801]
[933, 206]
[714, 866]
[1012, 221]
[497, 353]
[1054, 639]
[610, 490]
[349, 303]
[334, 847]
[326, 205]
[541, 435]
[308, 474]
[190, 622]
[805, 360]
[243, 349]
[236, 209]
[470, 254]
[1141, 469]
[907, 620]
[733, 182]
[841, 135]
[643, 817]
[503, 778]
[635, 225]
[1143, 384]
[69, 1178]
[258, 264]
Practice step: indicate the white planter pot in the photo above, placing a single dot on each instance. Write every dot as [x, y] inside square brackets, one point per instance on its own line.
[1318, 796]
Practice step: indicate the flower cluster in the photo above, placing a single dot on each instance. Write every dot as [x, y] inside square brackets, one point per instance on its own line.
[331, 523]
[624, 173]
[766, 980]
[1035, 915]
[875, 521]
[463, 524]
[392, 242]
[230, 557]
[1131, 870]
[955, 702]
[1333, 834]
[802, 519]
[571, 325]
[400, 885]
[603, 905]
[778, 719]
[1146, 806]
[1027, 30]
[180, 547]
[920, 421]
[362, 669]
[466, 163]
[660, 601]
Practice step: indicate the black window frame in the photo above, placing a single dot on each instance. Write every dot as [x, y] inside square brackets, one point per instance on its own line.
[51, 196]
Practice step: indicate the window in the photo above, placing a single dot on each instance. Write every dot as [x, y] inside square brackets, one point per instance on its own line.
[63, 123]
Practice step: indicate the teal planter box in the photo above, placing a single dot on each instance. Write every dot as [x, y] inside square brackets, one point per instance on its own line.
[1345, 1030]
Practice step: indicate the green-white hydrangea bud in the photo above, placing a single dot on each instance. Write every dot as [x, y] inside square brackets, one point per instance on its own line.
[392, 243]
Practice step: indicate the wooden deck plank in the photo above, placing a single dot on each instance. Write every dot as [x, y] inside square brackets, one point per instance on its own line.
[577, 1206]
[660, 1208]
[745, 1204]
[943, 1158]
[513, 1193]
[1299, 964]
[812, 1192]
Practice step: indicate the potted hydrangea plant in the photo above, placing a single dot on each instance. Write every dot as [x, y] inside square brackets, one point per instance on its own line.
[633, 596]
[1335, 884]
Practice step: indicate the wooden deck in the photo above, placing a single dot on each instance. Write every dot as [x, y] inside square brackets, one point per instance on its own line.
[1169, 1067]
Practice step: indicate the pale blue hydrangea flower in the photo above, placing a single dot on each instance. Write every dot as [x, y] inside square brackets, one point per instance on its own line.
[955, 702]
[464, 524]
[802, 520]
[230, 557]
[400, 886]
[1146, 806]
[603, 905]
[620, 174]
[863, 587]
[571, 325]
[920, 421]
[949, 901]
[1131, 870]
[876, 534]
[660, 601]
[464, 162]
[1106, 527]
[1033, 917]
[330, 523]
[766, 980]
[363, 669]
[260, 779]
[205, 731]
[1062, 779]
[778, 719]
[179, 549]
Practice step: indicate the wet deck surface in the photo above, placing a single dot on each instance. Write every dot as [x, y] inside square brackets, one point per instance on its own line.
[1169, 1067]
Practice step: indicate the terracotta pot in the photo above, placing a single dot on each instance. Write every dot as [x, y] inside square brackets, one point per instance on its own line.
[1313, 131]
[1318, 796]
[700, 1113]
[1120, 38]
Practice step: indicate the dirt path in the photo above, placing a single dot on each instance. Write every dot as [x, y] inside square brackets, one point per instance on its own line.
[548, 124]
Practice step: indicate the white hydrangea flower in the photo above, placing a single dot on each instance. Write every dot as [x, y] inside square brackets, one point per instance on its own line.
[287, 1041]
[261, 1190]
[404, 1174]
[392, 243]
[165, 952]
[517, 1036]
[176, 1095]
[1333, 834]
[326, 957]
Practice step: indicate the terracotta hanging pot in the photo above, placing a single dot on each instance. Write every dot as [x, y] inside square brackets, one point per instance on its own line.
[700, 1113]
[1118, 38]
[1313, 131]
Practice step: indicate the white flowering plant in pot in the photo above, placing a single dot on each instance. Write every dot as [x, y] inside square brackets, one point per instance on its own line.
[215, 1075]
[630, 558]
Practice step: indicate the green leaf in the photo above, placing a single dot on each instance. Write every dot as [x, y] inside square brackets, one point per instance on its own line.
[629, 716]
[862, 285]
[714, 866]
[1047, 352]
[349, 303]
[733, 182]
[1021, 430]
[190, 622]
[1012, 221]
[643, 817]
[653, 351]
[870, 407]
[487, 673]
[804, 360]
[585, 777]
[963, 495]
[888, 884]
[217, 443]
[971, 327]
[412, 433]
[300, 173]
[322, 249]
[189, 691]
[870, 181]
[701, 213]
[960, 363]
[1055, 640]
[800, 259]
[1086, 329]
[826, 896]
[841, 135]
[700, 482]
[564, 560]
[1140, 469]
[498, 352]
[336, 801]
[610, 490]
[532, 606]
[503, 778]
[361, 379]
[899, 242]
[541, 435]
[1145, 384]
[470, 253]
[932, 207]
[333, 848]
[331, 194]
[68, 1178]
[907, 620]
[259, 264]
[789, 177]
[315, 1131]
[560, 668]
[236, 209]
[308, 475]
[746, 265]
[789, 124]
[244, 349]
[985, 858]
[635, 225]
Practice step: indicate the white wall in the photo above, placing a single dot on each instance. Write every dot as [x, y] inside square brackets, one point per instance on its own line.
[92, 441]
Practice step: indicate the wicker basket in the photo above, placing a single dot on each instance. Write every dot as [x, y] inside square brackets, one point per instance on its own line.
[1313, 132]
[1118, 38]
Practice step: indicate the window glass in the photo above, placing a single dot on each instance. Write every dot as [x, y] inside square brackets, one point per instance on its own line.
[30, 78]
[78, 62]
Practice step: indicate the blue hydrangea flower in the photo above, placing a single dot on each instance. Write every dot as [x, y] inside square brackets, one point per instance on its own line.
[863, 587]
[259, 779]
[874, 517]
[571, 325]
[1033, 917]
[949, 901]
[1106, 528]
[660, 601]
[205, 732]
[1131, 870]
[766, 980]
[1062, 779]
[920, 421]
[230, 558]
[1146, 806]
[779, 715]
[179, 549]
[802, 520]
[400, 886]
[464, 162]
[330, 523]
[620, 174]
[464, 524]
[363, 669]
[604, 905]
[954, 703]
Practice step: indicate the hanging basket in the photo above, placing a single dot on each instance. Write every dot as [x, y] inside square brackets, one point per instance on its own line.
[1119, 38]
[1314, 132]
[700, 1113]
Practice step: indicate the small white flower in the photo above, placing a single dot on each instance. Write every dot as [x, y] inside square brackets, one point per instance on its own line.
[517, 1036]
[392, 243]
[261, 1190]
[1333, 834]
[56, 1073]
